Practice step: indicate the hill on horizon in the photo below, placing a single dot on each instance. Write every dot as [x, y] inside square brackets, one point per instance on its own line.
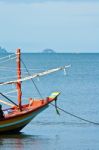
[48, 51]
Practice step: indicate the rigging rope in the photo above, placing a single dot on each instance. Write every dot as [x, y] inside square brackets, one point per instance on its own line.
[75, 116]
[12, 77]
[7, 60]
[30, 69]
[13, 91]
[8, 98]
[8, 77]
[7, 70]
[32, 79]
[6, 56]
[15, 96]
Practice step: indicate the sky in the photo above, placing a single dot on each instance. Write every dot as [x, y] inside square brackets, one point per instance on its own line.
[62, 25]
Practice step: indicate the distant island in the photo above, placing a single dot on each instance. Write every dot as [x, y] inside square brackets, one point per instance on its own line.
[48, 51]
[3, 50]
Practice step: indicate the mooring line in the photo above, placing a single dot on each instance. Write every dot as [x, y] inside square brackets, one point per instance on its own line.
[76, 116]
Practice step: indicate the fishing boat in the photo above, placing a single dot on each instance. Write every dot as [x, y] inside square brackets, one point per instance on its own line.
[19, 115]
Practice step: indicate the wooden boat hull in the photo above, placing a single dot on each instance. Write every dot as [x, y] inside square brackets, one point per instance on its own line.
[16, 120]
[15, 124]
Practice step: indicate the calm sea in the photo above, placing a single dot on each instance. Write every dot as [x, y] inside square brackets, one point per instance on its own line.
[79, 95]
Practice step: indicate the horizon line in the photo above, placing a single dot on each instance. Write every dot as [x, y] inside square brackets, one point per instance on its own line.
[56, 52]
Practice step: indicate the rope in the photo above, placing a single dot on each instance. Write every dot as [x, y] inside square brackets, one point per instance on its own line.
[13, 91]
[75, 116]
[8, 77]
[7, 70]
[7, 60]
[21, 68]
[32, 79]
[11, 96]
[25, 98]
[6, 56]
[11, 70]
[14, 77]
[8, 98]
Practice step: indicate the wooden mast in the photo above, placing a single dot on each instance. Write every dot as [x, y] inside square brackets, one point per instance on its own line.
[19, 94]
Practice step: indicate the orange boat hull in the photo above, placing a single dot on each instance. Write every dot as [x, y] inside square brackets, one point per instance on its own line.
[17, 120]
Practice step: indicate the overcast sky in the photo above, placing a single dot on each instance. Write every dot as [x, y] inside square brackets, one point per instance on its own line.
[62, 25]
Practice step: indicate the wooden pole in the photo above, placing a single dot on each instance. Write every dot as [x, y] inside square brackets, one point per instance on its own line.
[9, 104]
[19, 77]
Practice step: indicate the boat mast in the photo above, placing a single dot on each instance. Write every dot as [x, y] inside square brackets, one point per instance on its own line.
[19, 93]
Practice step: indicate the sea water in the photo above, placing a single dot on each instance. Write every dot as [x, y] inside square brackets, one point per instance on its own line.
[79, 95]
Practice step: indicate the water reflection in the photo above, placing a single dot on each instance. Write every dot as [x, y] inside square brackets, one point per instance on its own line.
[53, 137]
[20, 142]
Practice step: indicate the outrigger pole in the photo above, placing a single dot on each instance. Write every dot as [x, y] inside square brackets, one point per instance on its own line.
[18, 84]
